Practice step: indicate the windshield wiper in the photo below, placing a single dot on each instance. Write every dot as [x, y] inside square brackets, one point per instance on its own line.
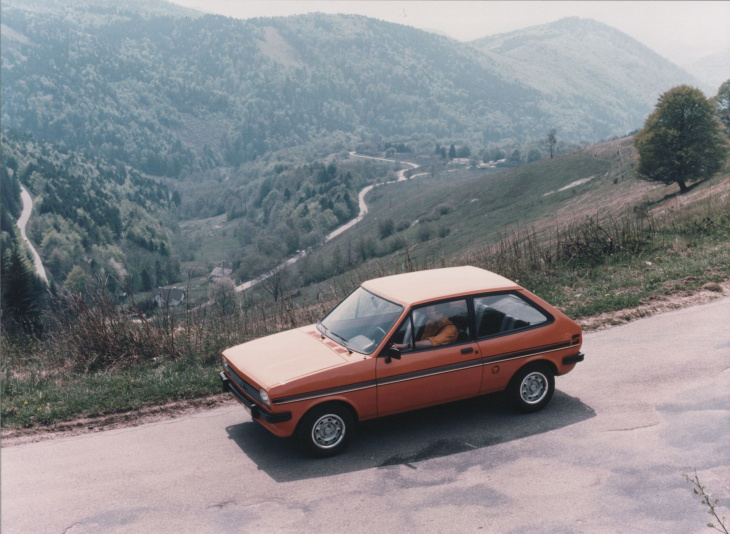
[322, 329]
[344, 341]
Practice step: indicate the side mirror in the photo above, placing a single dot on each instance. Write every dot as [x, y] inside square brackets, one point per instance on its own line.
[391, 354]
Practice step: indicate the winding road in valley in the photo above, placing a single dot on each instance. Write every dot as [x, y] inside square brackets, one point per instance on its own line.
[401, 176]
[22, 223]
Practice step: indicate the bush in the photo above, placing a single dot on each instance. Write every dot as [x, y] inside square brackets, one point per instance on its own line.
[425, 232]
[95, 335]
[386, 227]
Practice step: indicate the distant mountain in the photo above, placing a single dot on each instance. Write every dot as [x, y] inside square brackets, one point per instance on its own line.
[713, 70]
[146, 84]
[596, 75]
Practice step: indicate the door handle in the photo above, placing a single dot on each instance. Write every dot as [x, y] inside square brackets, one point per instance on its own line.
[467, 350]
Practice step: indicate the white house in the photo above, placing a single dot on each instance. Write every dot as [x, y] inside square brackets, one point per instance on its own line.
[168, 296]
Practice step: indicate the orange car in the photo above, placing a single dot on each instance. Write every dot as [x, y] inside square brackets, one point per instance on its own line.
[400, 343]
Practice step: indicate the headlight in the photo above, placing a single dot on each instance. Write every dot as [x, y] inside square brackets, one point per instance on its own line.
[264, 397]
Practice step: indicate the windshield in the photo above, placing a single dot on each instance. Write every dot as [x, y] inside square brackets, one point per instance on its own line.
[361, 321]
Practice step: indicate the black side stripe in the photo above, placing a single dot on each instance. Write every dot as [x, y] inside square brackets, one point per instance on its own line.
[431, 372]
[422, 374]
[326, 392]
[528, 352]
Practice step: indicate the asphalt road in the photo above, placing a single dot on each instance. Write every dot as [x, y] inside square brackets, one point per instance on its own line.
[651, 400]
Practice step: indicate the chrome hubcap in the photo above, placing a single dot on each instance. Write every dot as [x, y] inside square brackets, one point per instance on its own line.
[534, 387]
[328, 431]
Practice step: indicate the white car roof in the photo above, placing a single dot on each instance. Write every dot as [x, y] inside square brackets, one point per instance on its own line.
[434, 284]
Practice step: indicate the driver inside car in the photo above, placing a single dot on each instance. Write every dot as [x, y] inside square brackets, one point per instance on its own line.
[439, 329]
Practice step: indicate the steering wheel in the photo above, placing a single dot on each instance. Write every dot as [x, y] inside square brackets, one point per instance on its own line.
[377, 328]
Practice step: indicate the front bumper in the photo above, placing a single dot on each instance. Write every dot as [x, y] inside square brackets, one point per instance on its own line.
[255, 411]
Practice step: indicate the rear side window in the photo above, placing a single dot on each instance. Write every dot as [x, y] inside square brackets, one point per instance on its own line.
[496, 314]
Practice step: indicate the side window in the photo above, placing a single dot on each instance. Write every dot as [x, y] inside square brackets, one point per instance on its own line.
[442, 324]
[496, 314]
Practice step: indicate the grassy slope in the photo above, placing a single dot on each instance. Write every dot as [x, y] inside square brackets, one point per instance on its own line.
[486, 206]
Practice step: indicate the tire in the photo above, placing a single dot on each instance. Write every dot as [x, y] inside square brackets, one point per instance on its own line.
[325, 430]
[532, 388]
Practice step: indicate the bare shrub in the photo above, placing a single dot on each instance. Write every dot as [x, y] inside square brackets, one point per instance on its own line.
[592, 242]
[94, 334]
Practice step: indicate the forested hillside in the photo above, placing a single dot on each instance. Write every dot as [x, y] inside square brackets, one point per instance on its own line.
[176, 95]
[291, 208]
[92, 219]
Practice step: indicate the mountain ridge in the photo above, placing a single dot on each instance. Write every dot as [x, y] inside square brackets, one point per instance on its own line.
[171, 93]
[607, 58]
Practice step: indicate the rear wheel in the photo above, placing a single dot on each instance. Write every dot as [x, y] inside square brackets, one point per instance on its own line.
[532, 388]
[326, 430]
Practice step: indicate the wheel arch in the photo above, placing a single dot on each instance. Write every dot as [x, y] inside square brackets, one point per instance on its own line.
[332, 402]
[540, 362]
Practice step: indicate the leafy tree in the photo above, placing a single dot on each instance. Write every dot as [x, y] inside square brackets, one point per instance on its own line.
[452, 152]
[551, 141]
[77, 281]
[681, 140]
[722, 102]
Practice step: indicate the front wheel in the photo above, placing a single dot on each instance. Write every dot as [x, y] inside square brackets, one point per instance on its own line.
[532, 388]
[326, 430]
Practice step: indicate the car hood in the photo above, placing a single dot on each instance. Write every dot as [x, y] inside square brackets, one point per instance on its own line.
[280, 358]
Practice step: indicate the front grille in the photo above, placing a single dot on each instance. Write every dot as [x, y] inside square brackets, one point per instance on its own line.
[247, 388]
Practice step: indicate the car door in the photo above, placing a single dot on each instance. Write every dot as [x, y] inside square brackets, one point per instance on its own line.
[424, 376]
[508, 331]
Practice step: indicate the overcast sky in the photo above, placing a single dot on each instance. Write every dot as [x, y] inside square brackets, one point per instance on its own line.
[680, 31]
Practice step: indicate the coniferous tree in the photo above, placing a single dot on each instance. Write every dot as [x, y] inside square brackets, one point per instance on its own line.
[21, 292]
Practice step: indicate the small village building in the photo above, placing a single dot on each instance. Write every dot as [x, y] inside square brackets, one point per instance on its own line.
[168, 297]
[220, 273]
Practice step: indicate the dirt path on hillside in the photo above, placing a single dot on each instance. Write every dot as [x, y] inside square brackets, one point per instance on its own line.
[151, 414]
[22, 223]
